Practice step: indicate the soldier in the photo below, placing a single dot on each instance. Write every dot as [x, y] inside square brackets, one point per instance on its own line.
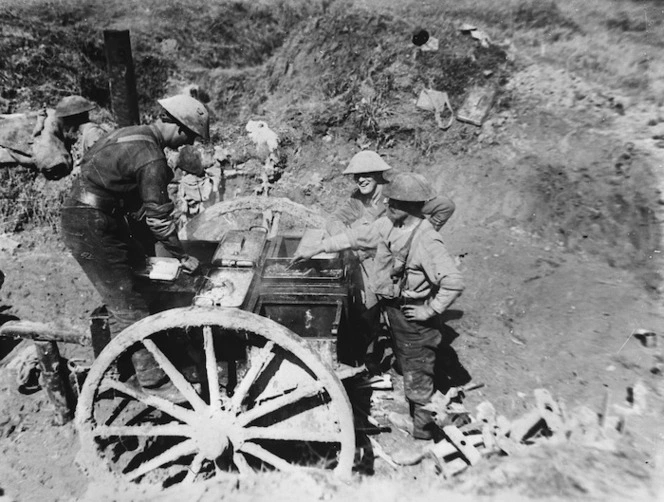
[74, 115]
[415, 280]
[124, 177]
[62, 136]
[365, 205]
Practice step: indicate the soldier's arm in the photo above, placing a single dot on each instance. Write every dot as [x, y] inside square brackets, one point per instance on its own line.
[153, 180]
[443, 273]
[359, 238]
[438, 210]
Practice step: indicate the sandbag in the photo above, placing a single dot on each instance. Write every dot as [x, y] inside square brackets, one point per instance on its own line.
[49, 153]
[16, 131]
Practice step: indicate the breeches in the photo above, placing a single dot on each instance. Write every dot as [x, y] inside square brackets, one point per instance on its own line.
[415, 345]
[103, 247]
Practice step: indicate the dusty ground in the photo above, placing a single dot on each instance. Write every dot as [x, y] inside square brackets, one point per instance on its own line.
[558, 232]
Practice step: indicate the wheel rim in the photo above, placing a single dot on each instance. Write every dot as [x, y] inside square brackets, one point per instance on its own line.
[278, 407]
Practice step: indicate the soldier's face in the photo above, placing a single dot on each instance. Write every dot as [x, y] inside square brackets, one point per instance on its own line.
[176, 136]
[185, 137]
[396, 212]
[366, 183]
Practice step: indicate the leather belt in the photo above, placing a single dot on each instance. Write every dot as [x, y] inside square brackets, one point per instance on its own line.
[401, 301]
[110, 206]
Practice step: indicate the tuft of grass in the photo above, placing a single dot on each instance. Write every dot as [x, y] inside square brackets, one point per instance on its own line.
[27, 200]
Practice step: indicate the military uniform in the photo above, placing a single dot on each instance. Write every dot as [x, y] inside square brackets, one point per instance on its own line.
[365, 205]
[88, 134]
[428, 277]
[360, 211]
[124, 177]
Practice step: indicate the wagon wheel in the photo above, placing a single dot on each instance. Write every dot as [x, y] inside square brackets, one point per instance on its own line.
[263, 401]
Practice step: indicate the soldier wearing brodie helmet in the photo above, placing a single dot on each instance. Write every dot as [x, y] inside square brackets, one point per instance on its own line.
[415, 279]
[73, 113]
[124, 179]
[364, 206]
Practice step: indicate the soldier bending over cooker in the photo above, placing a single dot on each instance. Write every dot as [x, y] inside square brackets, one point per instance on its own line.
[123, 176]
[416, 279]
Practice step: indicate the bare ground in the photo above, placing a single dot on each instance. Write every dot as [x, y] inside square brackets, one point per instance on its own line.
[554, 297]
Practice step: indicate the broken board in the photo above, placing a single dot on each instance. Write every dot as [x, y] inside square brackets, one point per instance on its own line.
[477, 105]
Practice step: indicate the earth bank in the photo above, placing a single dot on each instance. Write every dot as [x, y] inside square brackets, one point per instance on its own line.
[559, 205]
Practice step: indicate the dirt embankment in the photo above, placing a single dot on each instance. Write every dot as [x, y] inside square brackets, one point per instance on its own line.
[559, 204]
[334, 79]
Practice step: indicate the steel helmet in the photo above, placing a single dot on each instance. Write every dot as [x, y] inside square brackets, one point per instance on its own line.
[72, 105]
[189, 112]
[409, 187]
[367, 161]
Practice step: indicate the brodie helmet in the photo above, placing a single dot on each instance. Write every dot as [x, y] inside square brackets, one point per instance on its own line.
[189, 112]
[72, 105]
[409, 187]
[367, 161]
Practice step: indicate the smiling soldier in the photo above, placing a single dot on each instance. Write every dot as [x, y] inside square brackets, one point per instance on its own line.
[415, 280]
[365, 205]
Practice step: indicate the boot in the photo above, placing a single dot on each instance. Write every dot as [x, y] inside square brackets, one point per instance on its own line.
[423, 423]
[419, 427]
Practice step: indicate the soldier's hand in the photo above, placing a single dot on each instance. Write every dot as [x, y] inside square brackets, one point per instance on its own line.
[304, 255]
[298, 258]
[418, 312]
[189, 264]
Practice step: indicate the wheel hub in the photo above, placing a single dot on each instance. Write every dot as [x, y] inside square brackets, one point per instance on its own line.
[213, 435]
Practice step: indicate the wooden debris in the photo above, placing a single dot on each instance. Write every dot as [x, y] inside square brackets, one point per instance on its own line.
[524, 426]
[380, 453]
[489, 433]
[447, 448]
[379, 382]
[549, 410]
[605, 409]
[454, 467]
[462, 443]
[477, 105]
[54, 382]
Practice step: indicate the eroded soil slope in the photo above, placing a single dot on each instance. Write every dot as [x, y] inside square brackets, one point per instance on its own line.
[557, 229]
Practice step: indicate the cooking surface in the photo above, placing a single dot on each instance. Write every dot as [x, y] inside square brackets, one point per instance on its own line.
[225, 287]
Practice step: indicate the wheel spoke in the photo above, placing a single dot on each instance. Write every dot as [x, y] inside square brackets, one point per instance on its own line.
[118, 410]
[212, 370]
[176, 377]
[143, 430]
[288, 434]
[280, 402]
[164, 405]
[194, 468]
[179, 450]
[262, 360]
[241, 463]
[262, 454]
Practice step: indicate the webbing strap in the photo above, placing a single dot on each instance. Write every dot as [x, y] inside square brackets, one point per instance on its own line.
[134, 137]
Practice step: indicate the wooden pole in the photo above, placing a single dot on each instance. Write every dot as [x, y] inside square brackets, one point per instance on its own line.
[43, 332]
[121, 78]
[54, 382]
[99, 329]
